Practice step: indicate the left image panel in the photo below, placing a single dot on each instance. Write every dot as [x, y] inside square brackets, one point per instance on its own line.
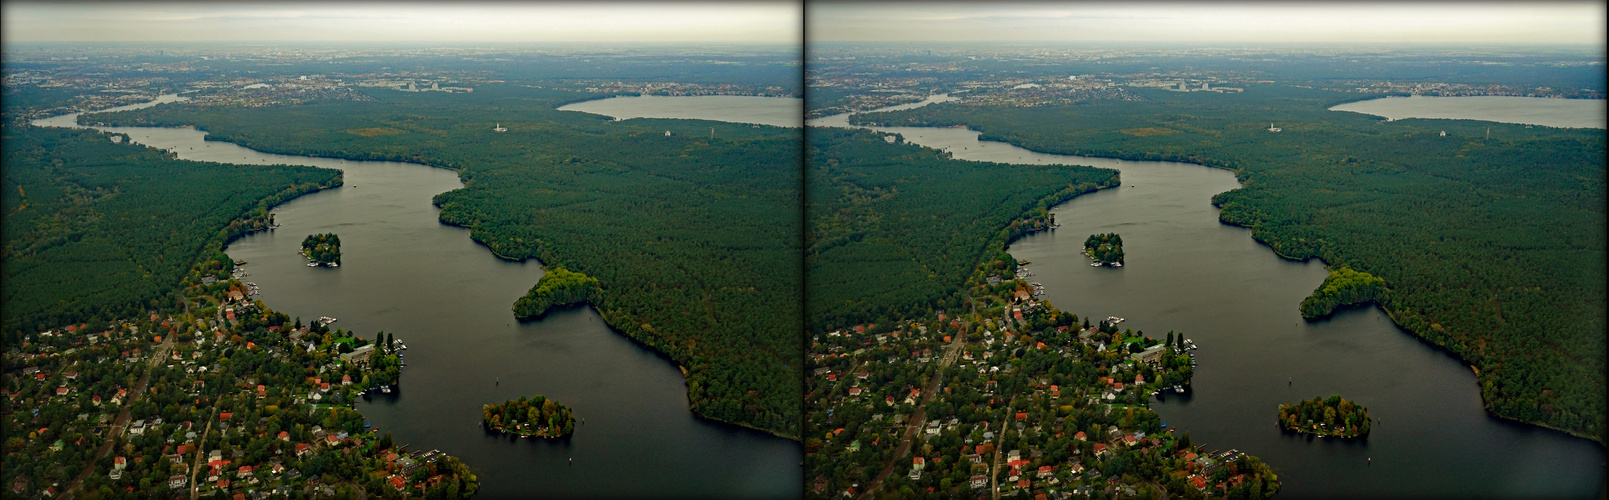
[264, 249]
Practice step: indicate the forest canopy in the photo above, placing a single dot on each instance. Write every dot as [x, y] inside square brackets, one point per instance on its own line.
[537, 416]
[693, 237]
[558, 287]
[896, 230]
[322, 248]
[1106, 249]
[1492, 247]
[1343, 287]
[1334, 416]
[97, 229]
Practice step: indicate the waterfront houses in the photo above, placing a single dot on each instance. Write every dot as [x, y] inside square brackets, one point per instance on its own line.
[194, 402]
[1018, 398]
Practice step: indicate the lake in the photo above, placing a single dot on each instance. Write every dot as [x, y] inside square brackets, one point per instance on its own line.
[1238, 301]
[406, 273]
[774, 111]
[1563, 113]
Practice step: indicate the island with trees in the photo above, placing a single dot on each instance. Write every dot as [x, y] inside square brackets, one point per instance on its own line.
[1394, 198]
[91, 300]
[1332, 417]
[322, 250]
[1105, 249]
[1343, 287]
[559, 287]
[697, 255]
[529, 417]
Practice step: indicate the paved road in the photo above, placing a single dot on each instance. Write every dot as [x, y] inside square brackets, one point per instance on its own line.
[994, 469]
[201, 449]
[951, 353]
[158, 355]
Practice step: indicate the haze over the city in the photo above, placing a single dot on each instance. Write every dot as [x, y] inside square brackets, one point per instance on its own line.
[1571, 23]
[628, 22]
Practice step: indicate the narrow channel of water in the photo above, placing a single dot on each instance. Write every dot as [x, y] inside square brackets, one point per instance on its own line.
[1186, 271]
[405, 272]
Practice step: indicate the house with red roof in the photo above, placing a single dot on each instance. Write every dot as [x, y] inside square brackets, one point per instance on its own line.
[1081, 436]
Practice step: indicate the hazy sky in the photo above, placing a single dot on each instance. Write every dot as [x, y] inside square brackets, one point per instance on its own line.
[1209, 22]
[733, 22]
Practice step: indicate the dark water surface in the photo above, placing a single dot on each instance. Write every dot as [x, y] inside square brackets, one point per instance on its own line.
[404, 272]
[1237, 300]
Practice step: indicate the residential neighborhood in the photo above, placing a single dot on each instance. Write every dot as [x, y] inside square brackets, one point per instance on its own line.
[1018, 398]
[220, 398]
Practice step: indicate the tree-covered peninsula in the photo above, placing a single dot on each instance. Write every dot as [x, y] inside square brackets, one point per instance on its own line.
[1105, 249]
[534, 417]
[896, 230]
[1344, 287]
[96, 229]
[693, 237]
[1493, 244]
[322, 249]
[558, 287]
[1332, 417]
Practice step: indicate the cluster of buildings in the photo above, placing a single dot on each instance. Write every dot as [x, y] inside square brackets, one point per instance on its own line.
[206, 403]
[1019, 398]
[682, 89]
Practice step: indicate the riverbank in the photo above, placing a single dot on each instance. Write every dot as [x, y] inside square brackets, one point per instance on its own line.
[463, 341]
[500, 206]
[1223, 278]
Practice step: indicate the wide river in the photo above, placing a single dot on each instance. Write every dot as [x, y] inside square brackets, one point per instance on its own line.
[1187, 272]
[430, 285]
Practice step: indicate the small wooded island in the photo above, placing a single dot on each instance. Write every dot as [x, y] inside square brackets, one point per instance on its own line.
[1333, 417]
[535, 417]
[1105, 249]
[1344, 287]
[559, 287]
[322, 250]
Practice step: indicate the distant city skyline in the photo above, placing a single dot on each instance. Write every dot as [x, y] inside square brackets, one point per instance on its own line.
[624, 22]
[1557, 23]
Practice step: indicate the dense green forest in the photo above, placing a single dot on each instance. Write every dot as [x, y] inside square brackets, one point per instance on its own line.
[693, 238]
[1105, 248]
[558, 287]
[1491, 247]
[1325, 417]
[538, 416]
[100, 230]
[896, 229]
[1343, 287]
[322, 248]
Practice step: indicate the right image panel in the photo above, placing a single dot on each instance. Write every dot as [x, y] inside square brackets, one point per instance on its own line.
[1069, 250]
